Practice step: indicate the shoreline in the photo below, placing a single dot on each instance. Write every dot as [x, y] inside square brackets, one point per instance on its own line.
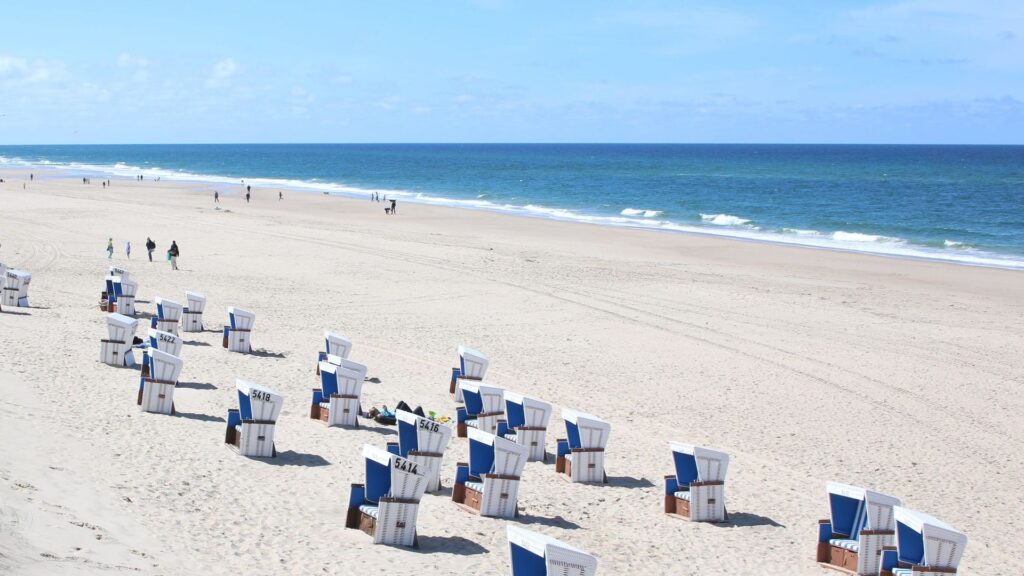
[898, 249]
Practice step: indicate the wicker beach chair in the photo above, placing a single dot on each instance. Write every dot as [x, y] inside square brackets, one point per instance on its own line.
[526, 423]
[580, 456]
[860, 524]
[387, 504]
[336, 402]
[484, 407]
[192, 314]
[489, 483]
[924, 546]
[534, 554]
[472, 366]
[156, 386]
[238, 332]
[697, 489]
[250, 428]
[424, 442]
[116, 350]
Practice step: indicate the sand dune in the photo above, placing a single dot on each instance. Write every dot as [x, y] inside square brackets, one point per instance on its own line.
[806, 365]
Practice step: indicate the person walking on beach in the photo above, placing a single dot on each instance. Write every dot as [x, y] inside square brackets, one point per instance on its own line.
[246, 197]
[392, 206]
[128, 250]
[216, 197]
[110, 248]
[173, 252]
[280, 195]
[150, 246]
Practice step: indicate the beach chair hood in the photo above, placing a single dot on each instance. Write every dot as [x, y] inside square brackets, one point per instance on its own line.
[924, 540]
[418, 433]
[337, 344]
[472, 363]
[522, 410]
[241, 319]
[490, 454]
[585, 430]
[164, 367]
[256, 402]
[698, 464]
[555, 556]
[121, 328]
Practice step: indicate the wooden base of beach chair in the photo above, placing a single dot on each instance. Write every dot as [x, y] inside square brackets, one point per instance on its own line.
[563, 467]
[113, 352]
[234, 441]
[359, 520]
[872, 542]
[468, 500]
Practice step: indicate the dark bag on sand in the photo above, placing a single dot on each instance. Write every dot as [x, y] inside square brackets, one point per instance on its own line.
[385, 420]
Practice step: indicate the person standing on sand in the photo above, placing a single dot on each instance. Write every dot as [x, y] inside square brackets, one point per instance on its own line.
[150, 246]
[280, 195]
[392, 206]
[110, 248]
[174, 255]
[216, 197]
[128, 250]
[246, 197]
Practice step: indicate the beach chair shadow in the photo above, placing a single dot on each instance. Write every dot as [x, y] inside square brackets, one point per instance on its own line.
[197, 416]
[556, 521]
[144, 315]
[448, 544]
[198, 386]
[629, 482]
[746, 520]
[293, 458]
[12, 312]
[266, 354]
[137, 301]
[195, 343]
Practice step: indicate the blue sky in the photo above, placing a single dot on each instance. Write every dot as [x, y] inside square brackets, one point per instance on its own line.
[938, 71]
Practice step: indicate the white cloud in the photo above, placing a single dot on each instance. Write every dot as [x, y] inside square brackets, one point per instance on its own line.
[125, 60]
[222, 71]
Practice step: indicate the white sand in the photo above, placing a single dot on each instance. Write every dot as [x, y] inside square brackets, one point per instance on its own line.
[805, 365]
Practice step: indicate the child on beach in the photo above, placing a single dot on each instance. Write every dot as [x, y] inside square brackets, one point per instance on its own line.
[110, 248]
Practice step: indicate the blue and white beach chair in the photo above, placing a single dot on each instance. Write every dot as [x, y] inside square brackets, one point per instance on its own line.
[250, 427]
[192, 314]
[15, 288]
[156, 387]
[472, 366]
[168, 315]
[116, 350]
[534, 554]
[581, 455]
[423, 441]
[386, 506]
[334, 345]
[697, 490]
[526, 423]
[484, 407]
[924, 546]
[860, 524]
[489, 483]
[238, 332]
[337, 400]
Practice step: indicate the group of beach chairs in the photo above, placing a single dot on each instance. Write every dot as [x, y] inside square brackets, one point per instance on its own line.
[13, 287]
[868, 533]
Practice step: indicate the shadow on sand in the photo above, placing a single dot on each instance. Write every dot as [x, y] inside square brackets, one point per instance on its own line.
[197, 385]
[449, 544]
[293, 458]
[556, 522]
[200, 417]
[746, 519]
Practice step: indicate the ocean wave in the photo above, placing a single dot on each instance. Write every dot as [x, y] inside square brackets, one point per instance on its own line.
[641, 212]
[723, 225]
[724, 219]
[842, 236]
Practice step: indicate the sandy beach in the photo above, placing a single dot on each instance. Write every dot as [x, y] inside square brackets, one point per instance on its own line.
[805, 365]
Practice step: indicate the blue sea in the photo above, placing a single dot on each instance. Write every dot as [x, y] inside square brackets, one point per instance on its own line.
[955, 203]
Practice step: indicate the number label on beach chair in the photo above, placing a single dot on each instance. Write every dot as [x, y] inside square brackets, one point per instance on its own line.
[429, 425]
[405, 465]
[169, 338]
[260, 395]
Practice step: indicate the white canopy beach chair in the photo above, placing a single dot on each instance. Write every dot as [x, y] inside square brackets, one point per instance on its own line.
[386, 506]
[250, 427]
[534, 554]
[118, 271]
[168, 315]
[861, 522]
[3, 281]
[489, 484]
[116, 350]
[334, 345]
[15, 288]
[128, 288]
[526, 423]
[581, 455]
[925, 546]
[472, 366]
[423, 441]
[697, 489]
[484, 407]
[192, 314]
[238, 332]
[336, 402]
[156, 387]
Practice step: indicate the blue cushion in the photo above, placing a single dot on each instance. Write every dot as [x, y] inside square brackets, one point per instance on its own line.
[476, 486]
[852, 545]
[368, 509]
[683, 495]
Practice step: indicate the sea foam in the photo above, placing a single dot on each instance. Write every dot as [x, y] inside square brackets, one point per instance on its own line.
[724, 219]
[641, 212]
